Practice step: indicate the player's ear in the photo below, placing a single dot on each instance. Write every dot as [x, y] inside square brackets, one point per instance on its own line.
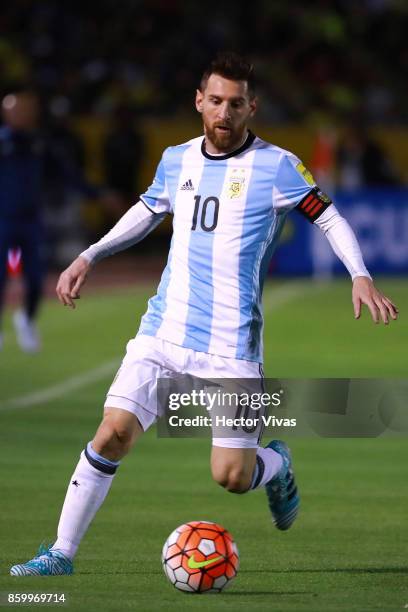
[199, 100]
[253, 105]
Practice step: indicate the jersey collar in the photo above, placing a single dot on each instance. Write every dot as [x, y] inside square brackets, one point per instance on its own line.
[249, 140]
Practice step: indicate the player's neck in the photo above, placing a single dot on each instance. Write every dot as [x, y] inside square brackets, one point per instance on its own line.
[213, 150]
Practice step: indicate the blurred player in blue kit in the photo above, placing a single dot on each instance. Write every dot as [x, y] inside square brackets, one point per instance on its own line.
[22, 155]
[29, 160]
[229, 193]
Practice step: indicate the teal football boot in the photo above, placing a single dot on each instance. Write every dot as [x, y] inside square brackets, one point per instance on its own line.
[46, 563]
[281, 490]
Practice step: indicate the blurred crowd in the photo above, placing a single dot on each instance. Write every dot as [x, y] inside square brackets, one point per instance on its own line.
[341, 55]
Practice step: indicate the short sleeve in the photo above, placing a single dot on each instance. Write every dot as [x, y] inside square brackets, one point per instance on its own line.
[157, 196]
[293, 182]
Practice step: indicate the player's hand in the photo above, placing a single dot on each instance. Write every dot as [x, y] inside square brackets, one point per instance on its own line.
[380, 307]
[71, 281]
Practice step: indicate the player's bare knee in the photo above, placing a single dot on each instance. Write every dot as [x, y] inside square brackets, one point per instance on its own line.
[220, 476]
[238, 481]
[123, 437]
[114, 438]
[234, 479]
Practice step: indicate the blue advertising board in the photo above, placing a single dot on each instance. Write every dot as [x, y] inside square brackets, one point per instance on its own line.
[379, 217]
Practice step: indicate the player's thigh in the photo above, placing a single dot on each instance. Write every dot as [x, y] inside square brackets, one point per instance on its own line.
[134, 388]
[131, 403]
[236, 428]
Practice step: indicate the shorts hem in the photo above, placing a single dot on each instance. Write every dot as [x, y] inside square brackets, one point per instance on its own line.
[235, 443]
[145, 418]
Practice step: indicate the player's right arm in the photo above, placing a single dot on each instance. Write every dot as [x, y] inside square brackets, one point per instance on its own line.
[135, 224]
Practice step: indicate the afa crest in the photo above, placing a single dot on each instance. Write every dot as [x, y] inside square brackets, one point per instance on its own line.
[236, 183]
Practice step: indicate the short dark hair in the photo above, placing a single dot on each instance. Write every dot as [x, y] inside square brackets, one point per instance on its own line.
[231, 66]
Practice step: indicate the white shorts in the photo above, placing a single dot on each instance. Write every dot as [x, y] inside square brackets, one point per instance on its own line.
[148, 359]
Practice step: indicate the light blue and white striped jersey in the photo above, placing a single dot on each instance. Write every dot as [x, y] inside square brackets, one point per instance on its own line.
[228, 213]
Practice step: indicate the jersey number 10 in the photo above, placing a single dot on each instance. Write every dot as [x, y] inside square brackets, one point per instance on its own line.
[211, 206]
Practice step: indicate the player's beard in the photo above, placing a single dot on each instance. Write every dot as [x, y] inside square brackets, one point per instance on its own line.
[224, 141]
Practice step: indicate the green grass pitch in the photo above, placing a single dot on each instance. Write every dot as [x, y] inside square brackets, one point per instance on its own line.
[346, 552]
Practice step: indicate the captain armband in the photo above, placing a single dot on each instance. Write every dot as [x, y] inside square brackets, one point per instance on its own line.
[313, 204]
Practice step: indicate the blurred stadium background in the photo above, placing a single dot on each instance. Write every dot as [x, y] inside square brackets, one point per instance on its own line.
[116, 83]
[117, 86]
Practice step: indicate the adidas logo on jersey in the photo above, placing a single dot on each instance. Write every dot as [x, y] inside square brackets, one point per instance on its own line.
[188, 186]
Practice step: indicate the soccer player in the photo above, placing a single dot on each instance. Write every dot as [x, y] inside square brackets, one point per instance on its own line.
[28, 159]
[229, 193]
[21, 160]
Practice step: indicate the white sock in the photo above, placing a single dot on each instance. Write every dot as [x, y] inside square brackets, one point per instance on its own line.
[87, 490]
[268, 464]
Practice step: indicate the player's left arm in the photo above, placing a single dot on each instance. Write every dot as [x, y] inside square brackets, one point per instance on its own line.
[318, 208]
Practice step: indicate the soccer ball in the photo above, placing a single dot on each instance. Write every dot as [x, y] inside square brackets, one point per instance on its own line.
[200, 557]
